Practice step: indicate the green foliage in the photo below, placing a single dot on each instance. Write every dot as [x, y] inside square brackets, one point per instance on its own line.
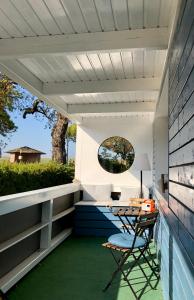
[6, 124]
[9, 96]
[21, 177]
[71, 132]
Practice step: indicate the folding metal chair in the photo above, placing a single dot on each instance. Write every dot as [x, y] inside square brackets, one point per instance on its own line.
[134, 245]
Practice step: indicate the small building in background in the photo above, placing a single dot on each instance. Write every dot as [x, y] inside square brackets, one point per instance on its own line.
[25, 154]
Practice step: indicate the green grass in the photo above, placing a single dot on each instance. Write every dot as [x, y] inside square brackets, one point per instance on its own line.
[43, 159]
[4, 158]
[78, 270]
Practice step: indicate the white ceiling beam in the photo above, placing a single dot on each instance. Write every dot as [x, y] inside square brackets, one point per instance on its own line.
[111, 108]
[153, 38]
[104, 86]
[18, 73]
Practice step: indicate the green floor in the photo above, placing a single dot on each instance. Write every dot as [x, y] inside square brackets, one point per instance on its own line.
[78, 270]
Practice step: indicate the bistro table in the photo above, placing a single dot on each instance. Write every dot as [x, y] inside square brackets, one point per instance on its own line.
[128, 213]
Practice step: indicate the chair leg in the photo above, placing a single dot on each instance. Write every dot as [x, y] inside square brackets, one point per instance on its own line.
[151, 267]
[136, 262]
[119, 263]
[122, 271]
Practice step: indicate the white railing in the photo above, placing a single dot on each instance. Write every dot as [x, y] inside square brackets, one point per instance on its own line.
[12, 203]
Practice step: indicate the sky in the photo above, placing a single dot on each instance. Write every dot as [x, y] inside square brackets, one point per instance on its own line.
[31, 132]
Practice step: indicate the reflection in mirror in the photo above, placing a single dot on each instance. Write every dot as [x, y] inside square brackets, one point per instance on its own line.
[116, 154]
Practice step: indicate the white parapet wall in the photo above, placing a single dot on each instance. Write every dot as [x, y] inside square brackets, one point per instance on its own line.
[29, 220]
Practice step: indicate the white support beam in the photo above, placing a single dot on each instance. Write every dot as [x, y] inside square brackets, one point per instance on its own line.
[154, 38]
[111, 108]
[104, 86]
[18, 73]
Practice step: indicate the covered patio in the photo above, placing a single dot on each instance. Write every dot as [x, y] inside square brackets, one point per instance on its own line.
[119, 69]
[78, 269]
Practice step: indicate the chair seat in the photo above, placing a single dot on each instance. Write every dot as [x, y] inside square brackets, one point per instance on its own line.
[125, 240]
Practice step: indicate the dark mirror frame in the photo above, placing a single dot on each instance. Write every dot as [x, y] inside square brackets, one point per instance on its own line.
[116, 155]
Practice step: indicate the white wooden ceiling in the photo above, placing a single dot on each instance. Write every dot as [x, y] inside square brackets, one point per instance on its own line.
[97, 66]
[73, 52]
[21, 18]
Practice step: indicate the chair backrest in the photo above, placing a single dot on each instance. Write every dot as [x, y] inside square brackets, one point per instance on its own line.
[146, 222]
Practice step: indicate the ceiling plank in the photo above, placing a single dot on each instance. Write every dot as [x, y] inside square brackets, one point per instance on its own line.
[153, 38]
[103, 86]
[111, 108]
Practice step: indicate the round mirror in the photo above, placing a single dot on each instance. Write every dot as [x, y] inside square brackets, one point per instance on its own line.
[116, 155]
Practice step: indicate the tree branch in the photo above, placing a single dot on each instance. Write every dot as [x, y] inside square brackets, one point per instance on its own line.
[36, 108]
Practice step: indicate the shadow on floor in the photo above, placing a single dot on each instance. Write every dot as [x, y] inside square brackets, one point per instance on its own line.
[78, 270]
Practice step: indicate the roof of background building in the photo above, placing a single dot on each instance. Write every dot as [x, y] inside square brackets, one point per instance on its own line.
[25, 149]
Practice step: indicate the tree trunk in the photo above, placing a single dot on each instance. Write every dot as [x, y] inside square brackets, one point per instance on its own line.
[58, 139]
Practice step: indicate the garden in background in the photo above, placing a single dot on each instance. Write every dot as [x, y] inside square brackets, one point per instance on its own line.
[21, 177]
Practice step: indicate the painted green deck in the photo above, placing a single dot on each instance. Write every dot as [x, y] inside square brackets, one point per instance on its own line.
[78, 270]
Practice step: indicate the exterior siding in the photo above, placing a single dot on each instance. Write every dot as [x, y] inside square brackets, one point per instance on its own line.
[181, 128]
[175, 237]
[176, 274]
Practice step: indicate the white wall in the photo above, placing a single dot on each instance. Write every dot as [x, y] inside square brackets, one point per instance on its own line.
[161, 136]
[93, 131]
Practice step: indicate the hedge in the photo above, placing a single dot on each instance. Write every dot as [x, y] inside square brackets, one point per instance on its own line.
[21, 177]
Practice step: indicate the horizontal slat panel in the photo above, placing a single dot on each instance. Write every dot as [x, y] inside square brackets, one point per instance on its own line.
[186, 59]
[174, 129]
[182, 193]
[182, 268]
[184, 175]
[181, 37]
[184, 96]
[177, 285]
[185, 135]
[90, 208]
[95, 232]
[187, 241]
[185, 65]
[95, 216]
[182, 156]
[98, 224]
[183, 117]
[187, 112]
[183, 214]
